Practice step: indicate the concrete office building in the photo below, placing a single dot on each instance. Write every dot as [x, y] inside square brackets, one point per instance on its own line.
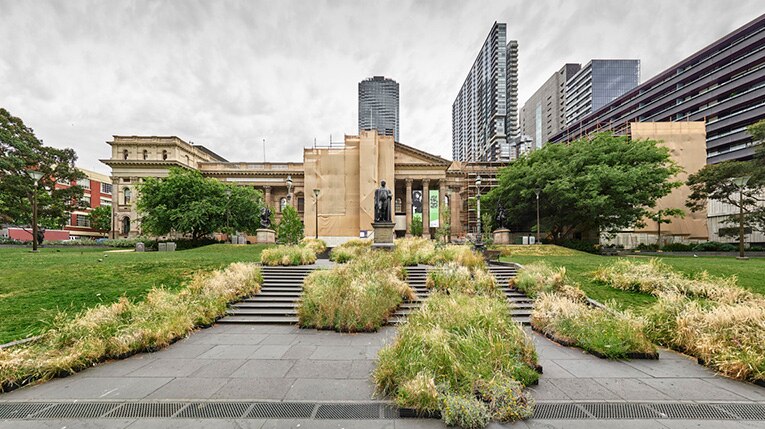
[722, 84]
[484, 113]
[379, 106]
[596, 84]
[542, 115]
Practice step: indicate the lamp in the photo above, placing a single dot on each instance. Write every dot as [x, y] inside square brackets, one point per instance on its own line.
[316, 210]
[479, 240]
[741, 182]
[289, 188]
[537, 191]
[36, 176]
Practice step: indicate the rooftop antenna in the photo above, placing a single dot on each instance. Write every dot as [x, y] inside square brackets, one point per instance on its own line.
[264, 150]
[330, 140]
[314, 142]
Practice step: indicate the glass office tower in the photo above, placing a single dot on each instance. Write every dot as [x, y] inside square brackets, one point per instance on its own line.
[378, 106]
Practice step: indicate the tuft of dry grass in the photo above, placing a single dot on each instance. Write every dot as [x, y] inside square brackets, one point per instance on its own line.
[453, 277]
[126, 327]
[314, 245]
[357, 296]
[350, 250]
[288, 256]
[539, 277]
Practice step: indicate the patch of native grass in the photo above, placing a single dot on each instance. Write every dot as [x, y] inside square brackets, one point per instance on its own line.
[36, 287]
[350, 250]
[452, 343]
[612, 334]
[355, 297]
[539, 277]
[656, 277]
[287, 256]
[315, 245]
[414, 251]
[534, 250]
[126, 327]
[459, 254]
[452, 277]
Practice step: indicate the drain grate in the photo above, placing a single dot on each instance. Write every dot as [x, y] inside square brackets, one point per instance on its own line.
[745, 411]
[281, 410]
[81, 410]
[348, 411]
[389, 412]
[690, 411]
[20, 410]
[559, 411]
[620, 411]
[146, 410]
[215, 410]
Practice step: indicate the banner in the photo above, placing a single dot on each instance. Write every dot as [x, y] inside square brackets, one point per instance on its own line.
[416, 202]
[433, 208]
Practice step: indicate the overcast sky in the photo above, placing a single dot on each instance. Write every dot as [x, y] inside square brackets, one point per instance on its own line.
[227, 74]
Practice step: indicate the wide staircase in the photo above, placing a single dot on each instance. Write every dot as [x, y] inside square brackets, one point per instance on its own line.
[277, 300]
[520, 305]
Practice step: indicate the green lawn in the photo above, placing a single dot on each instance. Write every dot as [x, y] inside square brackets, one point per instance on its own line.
[34, 287]
[751, 273]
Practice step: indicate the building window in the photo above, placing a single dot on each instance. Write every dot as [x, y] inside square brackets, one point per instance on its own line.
[188, 161]
[83, 220]
[282, 204]
[399, 205]
[301, 204]
[85, 184]
[145, 154]
[127, 194]
[125, 154]
[106, 188]
[164, 155]
[125, 225]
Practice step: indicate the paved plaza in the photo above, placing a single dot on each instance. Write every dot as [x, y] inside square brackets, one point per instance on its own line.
[288, 364]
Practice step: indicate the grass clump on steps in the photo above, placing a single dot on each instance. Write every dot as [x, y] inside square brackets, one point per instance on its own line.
[288, 256]
[355, 297]
[126, 327]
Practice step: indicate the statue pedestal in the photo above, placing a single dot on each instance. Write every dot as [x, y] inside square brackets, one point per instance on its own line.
[502, 236]
[267, 236]
[384, 235]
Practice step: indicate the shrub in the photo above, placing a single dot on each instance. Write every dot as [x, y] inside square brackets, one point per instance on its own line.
[713, 246]
[506, 399]
[457, 278]
[539, 277]
[358, 296]
[126, 327]
[456, 340]
[290, 229]
[287, 255]
[414, 251]
[678, 247]
[78, 242]
[416, 228]
[314, 245]
[350, 250]
[582, 246]
[465, 412]
[611, 334]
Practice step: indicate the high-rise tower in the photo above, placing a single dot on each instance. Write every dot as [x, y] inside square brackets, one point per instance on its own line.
[378, 106]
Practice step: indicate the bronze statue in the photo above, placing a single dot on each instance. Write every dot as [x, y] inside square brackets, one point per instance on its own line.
[501, 216]
[265, 217]
[382, 203]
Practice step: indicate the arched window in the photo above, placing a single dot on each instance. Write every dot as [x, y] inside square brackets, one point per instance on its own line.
[188, 161]
[399, 205]
[127, 195]
[145, 154]
[164, 155]
[282, 204]
[125, 225]
[125, 154]
[446, 200]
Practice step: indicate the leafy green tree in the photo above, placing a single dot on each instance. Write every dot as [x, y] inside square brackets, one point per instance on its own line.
[101, 218]
[185, 202]
[416, 228]
[21, 152]
[290, 229]
[602, 183]
[443, 232]
[664, 216]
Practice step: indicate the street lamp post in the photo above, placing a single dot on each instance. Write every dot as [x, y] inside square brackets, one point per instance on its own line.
[479, 240]
[289, 189]
[741, 183]
[537, 191]
[316, 210]
[228, 210]
[36, 175]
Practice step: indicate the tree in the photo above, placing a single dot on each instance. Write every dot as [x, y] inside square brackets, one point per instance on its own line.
[603, 183]
[664, 216]
[290, 229]
[416, 228]
[443, 232]
[22, 153]
[724, 182]
[186, 202]
[101, 218]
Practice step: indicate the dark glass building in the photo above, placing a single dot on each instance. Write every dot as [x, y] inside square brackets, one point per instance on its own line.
[378, 106]
[722, 84]
[597, 84]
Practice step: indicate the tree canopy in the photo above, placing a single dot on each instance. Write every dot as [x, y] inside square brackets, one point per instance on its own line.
[188, 203]
[602, 184]
[101, 218]
[291, 228]
[21, 152]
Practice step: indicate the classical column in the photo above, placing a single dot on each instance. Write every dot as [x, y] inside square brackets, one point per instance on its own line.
[267, 190]
[455, 205]
[441, 198]
[408, 201]
[425, 208]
